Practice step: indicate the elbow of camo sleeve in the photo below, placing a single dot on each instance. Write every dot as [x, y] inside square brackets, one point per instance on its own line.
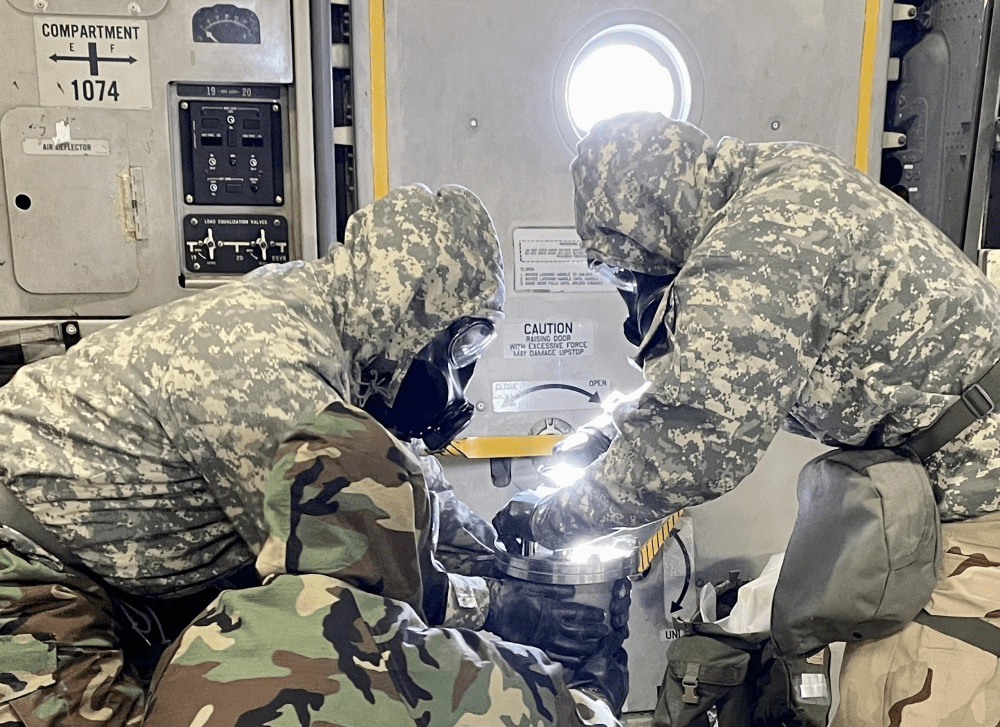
[468, 602]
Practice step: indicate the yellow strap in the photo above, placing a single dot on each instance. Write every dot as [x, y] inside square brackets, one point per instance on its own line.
[651, 547]
[536, 445]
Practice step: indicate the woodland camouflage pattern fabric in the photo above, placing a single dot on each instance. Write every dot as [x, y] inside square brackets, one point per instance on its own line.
[919, 677]
[806, 295]
[465, 540]
[144, 449]
[57, 629]
[345, 628]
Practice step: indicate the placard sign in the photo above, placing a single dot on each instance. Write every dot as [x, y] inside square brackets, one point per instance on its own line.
[88, 62]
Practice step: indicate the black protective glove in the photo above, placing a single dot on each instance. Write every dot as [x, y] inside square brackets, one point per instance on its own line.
[542, 615]
[605, 673]
[586, 444]
[513, 522]
[621, 601]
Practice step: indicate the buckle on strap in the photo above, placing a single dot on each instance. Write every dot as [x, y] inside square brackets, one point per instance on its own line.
[978, 401]
[690, 684]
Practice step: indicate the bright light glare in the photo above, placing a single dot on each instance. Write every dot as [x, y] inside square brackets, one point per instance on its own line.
[603, 553]
[562, 474]
[575, 439]
[616, 79]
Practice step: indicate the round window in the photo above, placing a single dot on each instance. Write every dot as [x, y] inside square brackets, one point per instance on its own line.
[626, 68]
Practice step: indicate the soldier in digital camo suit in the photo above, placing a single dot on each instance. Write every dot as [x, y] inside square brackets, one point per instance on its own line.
[132, 468]
[343, 629]
[779, 286]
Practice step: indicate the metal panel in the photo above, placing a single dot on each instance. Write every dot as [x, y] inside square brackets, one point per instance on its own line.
[123, 8]
[983, 171]
[475, 101]
[933, 108]
[256, 49]
[475, 98]
[67, 172]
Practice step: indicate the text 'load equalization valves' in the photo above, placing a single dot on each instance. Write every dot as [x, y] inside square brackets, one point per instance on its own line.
[234, 243]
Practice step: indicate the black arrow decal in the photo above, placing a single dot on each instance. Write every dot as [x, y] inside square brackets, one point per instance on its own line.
[92, 58]
[675, 606]
[591, 397]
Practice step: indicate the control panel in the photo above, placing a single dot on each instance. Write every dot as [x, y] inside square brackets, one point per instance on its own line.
[231, 153]
[233, 211]
[234, 243]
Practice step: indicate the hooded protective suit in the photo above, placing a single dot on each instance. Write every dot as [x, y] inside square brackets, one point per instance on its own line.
[805, 295]
[144, 449]
[810, 297]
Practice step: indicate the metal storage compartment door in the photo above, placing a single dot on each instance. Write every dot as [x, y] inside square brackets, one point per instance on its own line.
[69, 200]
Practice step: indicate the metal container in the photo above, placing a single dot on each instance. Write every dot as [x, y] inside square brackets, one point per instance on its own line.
[591, 568]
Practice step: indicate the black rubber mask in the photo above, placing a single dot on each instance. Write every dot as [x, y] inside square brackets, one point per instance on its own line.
[431, 403]
[642, 303]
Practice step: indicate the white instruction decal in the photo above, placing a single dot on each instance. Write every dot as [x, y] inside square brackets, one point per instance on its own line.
[549, 259]
[63, 144]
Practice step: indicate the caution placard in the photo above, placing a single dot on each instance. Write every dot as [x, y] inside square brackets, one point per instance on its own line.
[102, 62]
[554, 339]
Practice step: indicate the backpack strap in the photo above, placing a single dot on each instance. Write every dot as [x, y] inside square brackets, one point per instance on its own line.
[690, 683]
[976, 402]
[972, 631]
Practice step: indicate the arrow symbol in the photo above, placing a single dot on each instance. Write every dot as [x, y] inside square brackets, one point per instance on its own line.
[92, 58]
[675, 606]
[591, 397]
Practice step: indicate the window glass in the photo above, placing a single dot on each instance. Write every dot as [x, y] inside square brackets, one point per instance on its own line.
[626, 68]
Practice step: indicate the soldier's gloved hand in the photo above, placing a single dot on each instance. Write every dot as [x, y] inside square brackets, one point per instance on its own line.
[586, 444]
[541, 615]
[605, 673]
[513, 522]
[621, 601]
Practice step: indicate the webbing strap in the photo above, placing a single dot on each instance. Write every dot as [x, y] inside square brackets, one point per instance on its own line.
[973, 631]
[690, 683]
[976, 402]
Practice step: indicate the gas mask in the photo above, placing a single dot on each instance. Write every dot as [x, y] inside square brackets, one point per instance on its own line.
[431, 403]
[642, 294]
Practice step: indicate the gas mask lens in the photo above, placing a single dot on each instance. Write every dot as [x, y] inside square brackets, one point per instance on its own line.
[468, 345]
[618, 277]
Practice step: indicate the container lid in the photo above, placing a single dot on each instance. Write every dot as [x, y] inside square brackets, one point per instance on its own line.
[600, 561]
